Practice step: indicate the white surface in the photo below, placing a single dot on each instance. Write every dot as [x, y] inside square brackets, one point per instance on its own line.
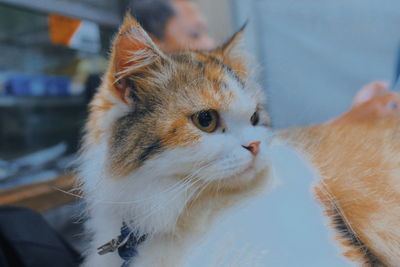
[282, 228]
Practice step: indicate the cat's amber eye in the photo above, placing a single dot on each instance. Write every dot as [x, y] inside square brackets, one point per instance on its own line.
[206, 120]
[255, 118]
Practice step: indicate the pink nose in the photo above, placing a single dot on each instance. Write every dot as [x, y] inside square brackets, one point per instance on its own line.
[253, 147]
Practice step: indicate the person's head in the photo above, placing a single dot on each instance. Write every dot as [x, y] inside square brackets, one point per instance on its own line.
[173, 24]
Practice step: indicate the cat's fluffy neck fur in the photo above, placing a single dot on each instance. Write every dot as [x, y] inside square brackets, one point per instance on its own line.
[171, 228]
[109, 208]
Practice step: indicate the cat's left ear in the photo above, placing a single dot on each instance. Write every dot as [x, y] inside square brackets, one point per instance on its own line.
[133, 54]
[234, 44]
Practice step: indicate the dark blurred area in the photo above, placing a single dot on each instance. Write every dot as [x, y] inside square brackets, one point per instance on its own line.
[43, 85]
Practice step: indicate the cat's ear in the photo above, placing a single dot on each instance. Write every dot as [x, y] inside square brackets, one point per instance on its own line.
[133, 51]
[234, 44]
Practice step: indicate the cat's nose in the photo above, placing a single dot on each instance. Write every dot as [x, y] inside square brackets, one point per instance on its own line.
[253, 147]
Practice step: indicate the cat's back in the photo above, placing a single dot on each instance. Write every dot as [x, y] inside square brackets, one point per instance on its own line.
[358, 165]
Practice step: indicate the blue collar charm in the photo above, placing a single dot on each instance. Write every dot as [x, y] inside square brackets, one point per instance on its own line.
[126, 244]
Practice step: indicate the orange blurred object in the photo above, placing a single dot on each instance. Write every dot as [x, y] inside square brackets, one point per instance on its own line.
[62, 29]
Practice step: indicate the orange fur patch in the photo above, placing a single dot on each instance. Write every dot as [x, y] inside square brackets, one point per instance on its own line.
[358, 164]
[180, 134]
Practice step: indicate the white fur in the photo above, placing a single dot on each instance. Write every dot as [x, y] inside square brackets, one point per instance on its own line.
[152, 198]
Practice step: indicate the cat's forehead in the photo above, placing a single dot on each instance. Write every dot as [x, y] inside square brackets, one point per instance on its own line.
[207, 82]
[210, 66]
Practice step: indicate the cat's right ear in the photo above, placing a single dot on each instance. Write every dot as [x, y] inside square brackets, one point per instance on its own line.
[133, 51]
[234, 44]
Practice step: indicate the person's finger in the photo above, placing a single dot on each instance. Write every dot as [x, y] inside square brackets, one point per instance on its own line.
[369, 91]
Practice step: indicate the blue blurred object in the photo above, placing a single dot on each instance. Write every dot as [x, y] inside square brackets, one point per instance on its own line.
[37, 85]
[4, 77]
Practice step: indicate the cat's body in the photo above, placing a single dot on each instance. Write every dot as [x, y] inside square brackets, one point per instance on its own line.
[359, 169]
[174, 140]
[171, 141]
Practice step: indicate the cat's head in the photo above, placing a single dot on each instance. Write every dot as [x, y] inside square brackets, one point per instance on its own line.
[193, 114]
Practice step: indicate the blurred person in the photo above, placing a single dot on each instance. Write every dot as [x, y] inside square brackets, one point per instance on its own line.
[173, 24]
[373, 101]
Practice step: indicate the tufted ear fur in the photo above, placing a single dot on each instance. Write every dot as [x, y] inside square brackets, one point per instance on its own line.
[233, 55]
[233, 45]
[133, 53]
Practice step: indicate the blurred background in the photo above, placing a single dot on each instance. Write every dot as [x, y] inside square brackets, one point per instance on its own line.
[312, 57]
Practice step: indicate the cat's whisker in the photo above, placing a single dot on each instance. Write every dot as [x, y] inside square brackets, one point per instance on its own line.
[176, 186]
[162, 205]
[202, 188]
[188, 180]
[69, 192]
[100, 201]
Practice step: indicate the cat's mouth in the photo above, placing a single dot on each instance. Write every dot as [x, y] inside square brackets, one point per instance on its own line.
[246, 170]
[243, 175]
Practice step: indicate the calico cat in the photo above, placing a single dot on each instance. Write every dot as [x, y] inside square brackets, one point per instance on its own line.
[171, 141]
[358, 159]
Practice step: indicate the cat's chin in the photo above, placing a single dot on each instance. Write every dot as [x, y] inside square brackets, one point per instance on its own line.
[244, 177]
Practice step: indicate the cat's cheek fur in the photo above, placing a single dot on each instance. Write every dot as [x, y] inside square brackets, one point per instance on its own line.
[228, 159]
[105, 109]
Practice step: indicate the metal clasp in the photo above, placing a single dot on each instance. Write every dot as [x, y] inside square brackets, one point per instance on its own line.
[111, 246]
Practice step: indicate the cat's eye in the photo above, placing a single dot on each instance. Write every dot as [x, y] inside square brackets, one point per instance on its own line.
[255, 118]
[206, 120]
